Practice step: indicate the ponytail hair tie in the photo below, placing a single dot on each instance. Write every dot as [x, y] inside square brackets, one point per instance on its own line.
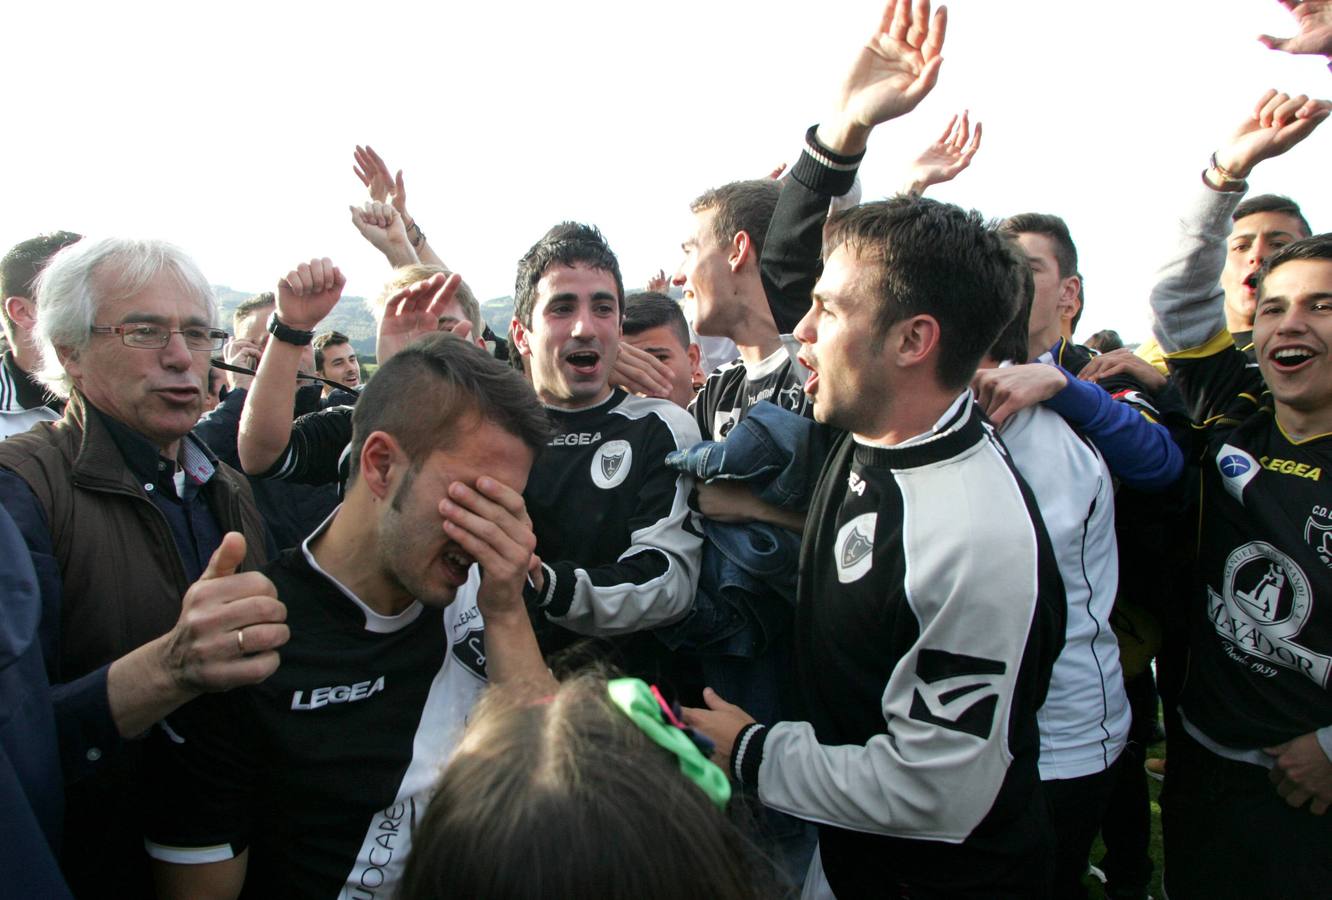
[647, 709]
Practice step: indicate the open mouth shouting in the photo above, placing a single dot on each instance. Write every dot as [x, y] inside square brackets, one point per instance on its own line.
[812, 381]
[586, 363]
[1291, 358]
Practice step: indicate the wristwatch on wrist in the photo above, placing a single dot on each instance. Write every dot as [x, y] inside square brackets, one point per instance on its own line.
[286, 333]
[1225, 179]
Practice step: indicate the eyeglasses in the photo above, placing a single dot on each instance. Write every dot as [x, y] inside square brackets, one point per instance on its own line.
[143, 336]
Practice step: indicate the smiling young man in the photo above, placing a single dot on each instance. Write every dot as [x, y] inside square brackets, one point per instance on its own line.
[402, 607]
[335, 359]
[1250, 776]
[619, 551]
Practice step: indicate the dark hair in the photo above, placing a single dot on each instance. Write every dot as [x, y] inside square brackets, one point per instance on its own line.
[649, 309]
[252, 305]
[24, 262]
[1105, 340]
[1053, 227]
[1271, 203]
[434, 388]
[333, 338]
[566, 797]
[741, 206]
[567, 244]
[939, 260]
[1012, 344]
[1316, 247]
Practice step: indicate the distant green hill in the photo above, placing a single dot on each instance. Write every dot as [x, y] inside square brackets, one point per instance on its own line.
[352, 317]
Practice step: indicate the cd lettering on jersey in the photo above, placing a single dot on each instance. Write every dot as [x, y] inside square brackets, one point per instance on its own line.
[1318, 534]
[610, 464]
[1265, 602]
[1237, 469]
[855, 547]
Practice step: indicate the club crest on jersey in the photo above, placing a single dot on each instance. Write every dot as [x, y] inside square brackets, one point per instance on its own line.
[610, 464]
[1318, 534]
[855, 547]
[790, 397]
[469, 651]
[1237, 469]
[1264, 604]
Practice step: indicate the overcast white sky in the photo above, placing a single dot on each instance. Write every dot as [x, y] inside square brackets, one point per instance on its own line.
[228, 128]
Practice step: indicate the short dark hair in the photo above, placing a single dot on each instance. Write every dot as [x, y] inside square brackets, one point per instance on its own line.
[567, 797]
[1105, 340]
[252, 305]
[939, 260]
[328, 338]
[1317, 247]
[1271, 203]
[650, 309]
[1012, 344]
[463, 384]
[741, 206]
[1053, 227]
[24, 262]
[567, 244]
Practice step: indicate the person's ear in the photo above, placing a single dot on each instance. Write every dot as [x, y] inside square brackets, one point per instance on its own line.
[741, 251]
[380, 454]
[916, 339]
[1069, 305]
[520, 337]
[21, 313]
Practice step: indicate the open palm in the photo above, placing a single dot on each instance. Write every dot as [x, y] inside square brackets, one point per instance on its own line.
[1314, 18]
[897, 67]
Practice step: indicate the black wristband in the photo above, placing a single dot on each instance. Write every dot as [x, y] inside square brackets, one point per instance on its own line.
[748, 753]
[286, 334]
[824, 171]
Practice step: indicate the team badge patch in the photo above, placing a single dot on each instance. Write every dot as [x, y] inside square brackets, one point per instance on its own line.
[1264, 604]
[855, 547]
[610, 464]
[1318, 534]
[470, 651]
[1237, 469]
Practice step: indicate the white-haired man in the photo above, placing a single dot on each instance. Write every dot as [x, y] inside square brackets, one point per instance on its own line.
[128, 521]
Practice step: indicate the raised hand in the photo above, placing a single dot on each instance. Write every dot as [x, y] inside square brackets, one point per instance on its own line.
[383, 226]
[947, 157]
[892, 73]
[661, 282]
[373, 172]
[308, 293]
[1314, 18]
[414, 311]
[778, 171]
[240, 352]
[230, 626]
[1278, 122]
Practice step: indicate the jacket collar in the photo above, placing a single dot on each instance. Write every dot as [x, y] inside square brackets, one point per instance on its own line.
[100, 459]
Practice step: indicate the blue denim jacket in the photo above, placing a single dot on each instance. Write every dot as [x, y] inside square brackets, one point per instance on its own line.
[746, 588]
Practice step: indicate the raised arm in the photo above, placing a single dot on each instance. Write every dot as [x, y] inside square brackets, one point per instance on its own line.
[382, 226]
[946, 158]
[373, 172]
[304, 297]
[891, 74]
[1314, 19]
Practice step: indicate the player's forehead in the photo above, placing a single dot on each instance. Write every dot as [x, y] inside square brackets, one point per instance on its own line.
[1268, 224]
[577, 281]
